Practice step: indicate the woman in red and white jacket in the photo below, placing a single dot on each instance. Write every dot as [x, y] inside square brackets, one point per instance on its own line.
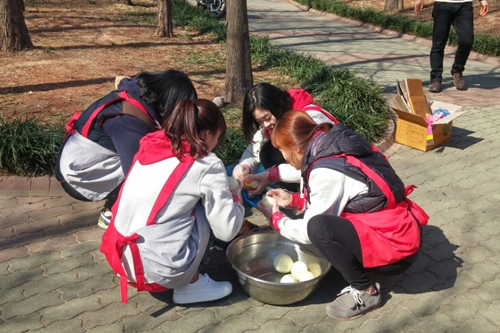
[356, 210]
[263, 105]
[175, 196]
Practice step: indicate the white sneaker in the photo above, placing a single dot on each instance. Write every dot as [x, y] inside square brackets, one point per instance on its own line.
[203, 290]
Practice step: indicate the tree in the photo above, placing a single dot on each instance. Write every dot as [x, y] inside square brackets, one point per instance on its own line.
[238, 63]
[165, 26]
[13, 31]
[394, 5]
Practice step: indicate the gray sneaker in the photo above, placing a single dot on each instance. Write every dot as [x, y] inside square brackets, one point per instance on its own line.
[352, 303]
[104, 218]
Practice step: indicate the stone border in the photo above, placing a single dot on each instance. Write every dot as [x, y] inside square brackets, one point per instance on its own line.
[420, 40]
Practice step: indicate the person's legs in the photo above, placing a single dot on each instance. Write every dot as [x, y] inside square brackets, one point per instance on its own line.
[442, 17]
[338, 241]
[105, 216]
[464, 27]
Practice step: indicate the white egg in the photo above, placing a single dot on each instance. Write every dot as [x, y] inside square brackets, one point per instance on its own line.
[233, 183]
[283, 263]
[250, 185]
[298, 267]
[315, 269]
[268, 201]
[289, 278]
[305, 276]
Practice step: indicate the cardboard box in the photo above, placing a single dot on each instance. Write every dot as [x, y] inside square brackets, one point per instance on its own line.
[413, 130]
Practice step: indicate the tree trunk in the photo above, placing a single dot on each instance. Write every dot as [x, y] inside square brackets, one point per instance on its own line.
[125, 2]
[394, 5]
[13, 31]
[238, 63]
[165, 26]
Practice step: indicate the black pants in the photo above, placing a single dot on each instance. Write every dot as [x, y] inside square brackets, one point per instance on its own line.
[271, 156]
[461, 16]
[339, 243]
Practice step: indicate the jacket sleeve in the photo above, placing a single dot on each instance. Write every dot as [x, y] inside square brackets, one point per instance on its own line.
[223, 214]
[251, 154]
[326, 197]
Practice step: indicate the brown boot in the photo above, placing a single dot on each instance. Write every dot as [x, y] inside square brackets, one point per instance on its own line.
[435, 86]
[459, 81]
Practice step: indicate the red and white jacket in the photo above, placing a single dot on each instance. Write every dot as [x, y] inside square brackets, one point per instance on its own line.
[301, 100]
[168, 211]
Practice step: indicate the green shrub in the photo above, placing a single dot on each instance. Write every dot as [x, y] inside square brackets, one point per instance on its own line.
[29, 147]
[231, 149]
[358, 103]
[484, 44]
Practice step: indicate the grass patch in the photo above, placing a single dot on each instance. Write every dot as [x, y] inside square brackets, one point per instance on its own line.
[484, 44]
[29, 147]
[358, 103]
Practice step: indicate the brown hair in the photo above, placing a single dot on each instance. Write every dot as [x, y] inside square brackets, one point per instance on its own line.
[188, 120]
[294, 131]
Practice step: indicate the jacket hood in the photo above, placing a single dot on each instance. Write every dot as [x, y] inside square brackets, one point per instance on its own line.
[339, 140]
[156, 146]
[300, 98]
[130, 86]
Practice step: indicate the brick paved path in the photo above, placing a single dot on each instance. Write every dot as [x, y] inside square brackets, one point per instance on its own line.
[54, 279]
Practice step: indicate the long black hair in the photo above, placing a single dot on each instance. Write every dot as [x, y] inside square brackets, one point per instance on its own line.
[267, 97]
[162, 91]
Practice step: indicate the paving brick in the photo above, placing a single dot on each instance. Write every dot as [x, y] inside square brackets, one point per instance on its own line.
[18, 278]
[108, 315]
[483, 271]
[321, 327]
[33, 261]
[307, 315]
[12, 253]
[49, 284]
[52, 243]
[193, 322]
[438, 322]
[87, 287]
[146, 322]
[476, 254]
[11, 295]
[21, 323]
[79, 248]
[68, 264]
[70, 309]
[481, 323]
[31, 305]
[73, 325]
[91, 234]
[244, 322]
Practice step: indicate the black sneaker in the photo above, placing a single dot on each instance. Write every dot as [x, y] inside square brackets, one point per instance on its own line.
[436, 86]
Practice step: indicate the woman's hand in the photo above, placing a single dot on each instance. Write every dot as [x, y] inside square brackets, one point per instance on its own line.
[282, 197]
[259, 180]
[240, 171]
[236, 191]
[268, 211]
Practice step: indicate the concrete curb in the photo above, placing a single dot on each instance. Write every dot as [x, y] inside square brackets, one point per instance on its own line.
[420, 40]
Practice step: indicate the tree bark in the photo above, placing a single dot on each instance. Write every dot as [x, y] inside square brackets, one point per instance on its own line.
[239, 77]
[14, 34]
[394, 5]
[125, 2]
[165, 27]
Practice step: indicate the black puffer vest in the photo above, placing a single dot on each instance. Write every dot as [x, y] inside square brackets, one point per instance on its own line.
[321, 152]
[96, 133]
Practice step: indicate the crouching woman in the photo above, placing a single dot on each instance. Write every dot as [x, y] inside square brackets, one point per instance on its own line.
[356, 208]
[174, 198]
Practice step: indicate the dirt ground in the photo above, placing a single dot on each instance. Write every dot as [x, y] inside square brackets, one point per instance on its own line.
[81, 46]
